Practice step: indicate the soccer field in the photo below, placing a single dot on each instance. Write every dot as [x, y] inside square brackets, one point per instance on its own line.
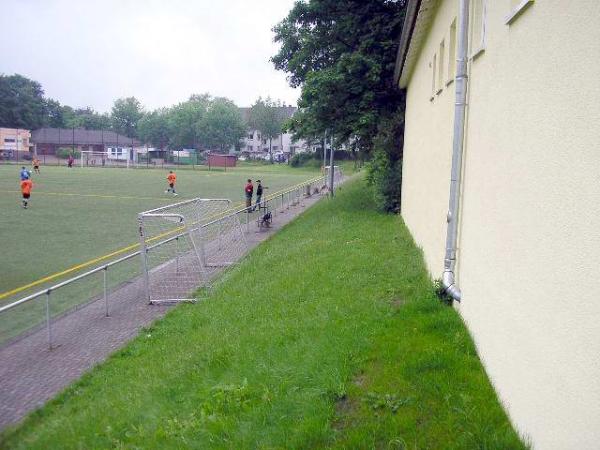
[79, 214]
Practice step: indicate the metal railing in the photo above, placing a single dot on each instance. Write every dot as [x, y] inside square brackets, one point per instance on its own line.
[276, 203]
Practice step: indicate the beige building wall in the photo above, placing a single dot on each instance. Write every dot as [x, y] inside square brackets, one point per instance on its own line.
[13, 139]
[529, 245]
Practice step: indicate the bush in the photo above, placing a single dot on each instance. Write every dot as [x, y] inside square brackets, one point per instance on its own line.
[64, 152]
[385, 176]
[385, 168]
[304, 159]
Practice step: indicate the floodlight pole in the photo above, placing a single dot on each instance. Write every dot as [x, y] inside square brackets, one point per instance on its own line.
[331, 167]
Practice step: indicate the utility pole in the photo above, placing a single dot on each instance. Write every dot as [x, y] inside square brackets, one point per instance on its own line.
[324, 149]
[331, 167]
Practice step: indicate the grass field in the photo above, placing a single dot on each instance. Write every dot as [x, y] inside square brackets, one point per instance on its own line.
[328, 335]
[79, 214]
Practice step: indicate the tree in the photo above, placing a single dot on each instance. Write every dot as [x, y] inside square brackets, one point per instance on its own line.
[222, 126]
[154, 128]
[125, 115]
[266, 116]
[342, 54]
[85, 118]
[55, 117]
[183, 119]
[22, 103]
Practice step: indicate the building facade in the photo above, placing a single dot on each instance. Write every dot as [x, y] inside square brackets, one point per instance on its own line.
[14, 142]
[529, 222]
[47, 141]
[256, 146]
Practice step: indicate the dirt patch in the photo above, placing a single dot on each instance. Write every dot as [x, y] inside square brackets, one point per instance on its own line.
[344, 410]
[397, 303]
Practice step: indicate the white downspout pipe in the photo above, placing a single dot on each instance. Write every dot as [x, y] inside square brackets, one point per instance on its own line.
[461, 82]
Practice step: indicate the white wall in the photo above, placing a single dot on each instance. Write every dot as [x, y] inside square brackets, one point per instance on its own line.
[529, 247]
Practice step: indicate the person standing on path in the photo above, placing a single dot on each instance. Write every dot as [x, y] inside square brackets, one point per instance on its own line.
[249, 191]
[259, 193]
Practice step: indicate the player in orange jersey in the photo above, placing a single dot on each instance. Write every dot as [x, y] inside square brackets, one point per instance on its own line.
[26, 186]
[171, 179]
[36, 164]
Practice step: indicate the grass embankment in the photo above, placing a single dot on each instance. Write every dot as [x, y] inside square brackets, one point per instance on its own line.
[327, 335]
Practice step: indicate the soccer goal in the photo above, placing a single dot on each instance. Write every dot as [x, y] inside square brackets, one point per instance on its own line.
[184, 245]
[103, 159]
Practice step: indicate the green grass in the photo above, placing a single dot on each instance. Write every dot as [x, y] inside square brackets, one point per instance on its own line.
[327, 336]
[59, 231]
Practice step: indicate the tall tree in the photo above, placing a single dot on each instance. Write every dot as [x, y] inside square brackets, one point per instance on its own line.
[183, 119]
[125, 115]
[266, 116]
[55, 117]
[342, 54]
[154, 128]
[87, 118]
[22, 103]
[222, 127]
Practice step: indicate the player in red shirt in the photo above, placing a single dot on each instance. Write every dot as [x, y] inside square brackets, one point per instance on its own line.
[249, 191]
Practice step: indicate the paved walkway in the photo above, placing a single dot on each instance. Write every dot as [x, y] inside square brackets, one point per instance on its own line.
[31, 373]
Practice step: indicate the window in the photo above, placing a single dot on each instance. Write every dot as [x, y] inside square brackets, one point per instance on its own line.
[452, 53]
[477, 27]
[440, 80]
[516, 9]
[250, 135]
[9, 140]
[433, 75]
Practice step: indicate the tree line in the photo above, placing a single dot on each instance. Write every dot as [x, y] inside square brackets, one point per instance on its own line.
[342, 54]
[201, 122]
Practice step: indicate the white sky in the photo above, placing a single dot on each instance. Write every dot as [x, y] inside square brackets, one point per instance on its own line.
[91, 52]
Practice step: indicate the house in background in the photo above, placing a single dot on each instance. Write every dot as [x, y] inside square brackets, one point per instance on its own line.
[255, 146]
[14, 143]
[47, 141]
[528, 251]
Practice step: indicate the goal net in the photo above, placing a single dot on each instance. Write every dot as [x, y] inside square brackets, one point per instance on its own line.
[90, 158]
[184, 245]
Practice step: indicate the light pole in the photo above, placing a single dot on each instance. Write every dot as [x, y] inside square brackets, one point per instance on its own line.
[324, 149]
[331, 167]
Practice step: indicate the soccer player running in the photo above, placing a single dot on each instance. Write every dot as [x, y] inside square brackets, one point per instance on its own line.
[36, 165]
[25, 174]
[26, 186]
[171, 179]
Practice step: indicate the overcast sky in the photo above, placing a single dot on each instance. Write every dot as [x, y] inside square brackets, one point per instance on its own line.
[90, 52]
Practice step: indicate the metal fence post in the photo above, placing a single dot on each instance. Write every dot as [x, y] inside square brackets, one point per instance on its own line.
[282, 203]
[177, 254]
[48, 319]
[143, 255]
[104, 272]
[219, 232]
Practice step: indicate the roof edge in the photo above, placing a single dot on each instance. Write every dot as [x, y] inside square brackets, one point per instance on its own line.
[408, 27]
